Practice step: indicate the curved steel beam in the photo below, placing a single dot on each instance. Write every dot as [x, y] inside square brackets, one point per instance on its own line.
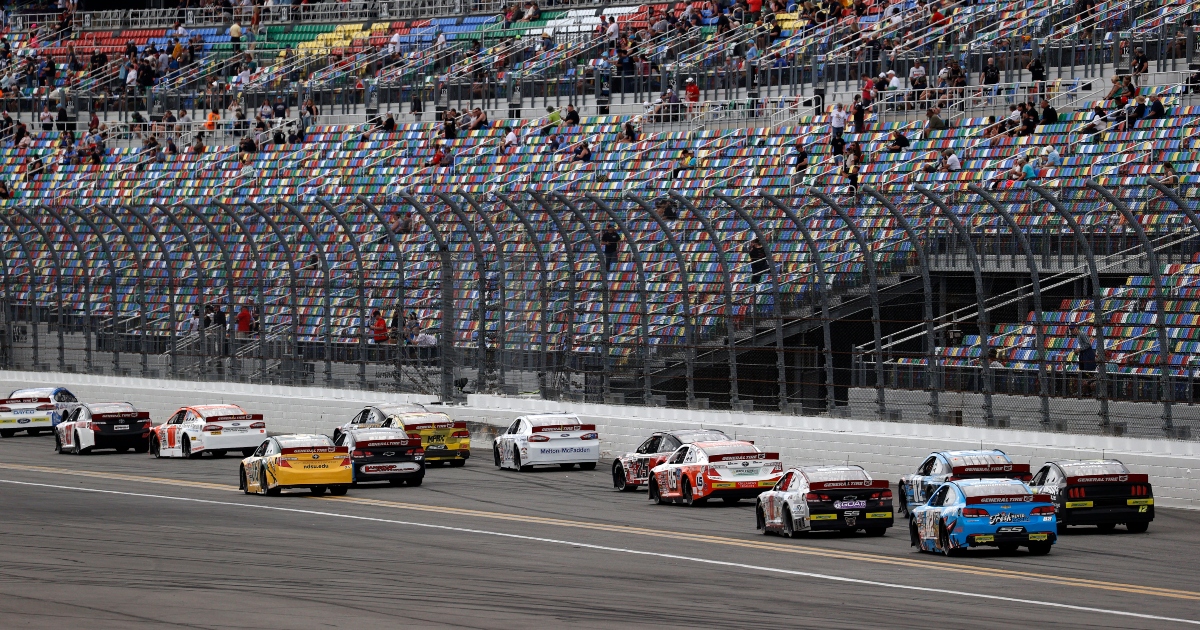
[62, 352]
[324, 260]
[88, 332]
[171, 284]
[446, 279]
[112, 273]
[394, 241]
[365, 320]
[260, 272]
[482, 269]
[227, 334]
[32, 289]
[281, 239]
[198, 263]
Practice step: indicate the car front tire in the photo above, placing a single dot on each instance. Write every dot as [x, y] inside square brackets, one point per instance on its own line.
[1040, 548]
[79, 450]
[587, 466]
[185, 447]
[789, 530]
[1137, 528]
[155, 447]
[242, 485]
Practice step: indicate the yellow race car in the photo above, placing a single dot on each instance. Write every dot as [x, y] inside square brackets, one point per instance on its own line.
[297, 461]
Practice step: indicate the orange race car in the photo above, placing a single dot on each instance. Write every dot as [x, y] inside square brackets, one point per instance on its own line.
[731, 470]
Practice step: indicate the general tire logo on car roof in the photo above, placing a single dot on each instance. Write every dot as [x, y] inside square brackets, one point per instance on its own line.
[316, 456]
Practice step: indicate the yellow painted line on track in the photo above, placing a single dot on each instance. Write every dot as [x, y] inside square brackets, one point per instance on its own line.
[795, 548]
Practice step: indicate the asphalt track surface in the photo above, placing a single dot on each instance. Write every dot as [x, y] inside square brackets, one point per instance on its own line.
[127, 541]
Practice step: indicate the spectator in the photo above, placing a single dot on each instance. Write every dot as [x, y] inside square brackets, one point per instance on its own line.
[439, 156]
[582, 153]
[850, 172]
[389, 123]
[800, 163]
[1138, 66]
[1170, 178]
[686, 162]
[235, 37]
[837, 120]
[34, 169]
[1096, 123]
[630, 132]
[572, 116]
[1037, 72]
[379, 328]
[198, 145]
[280, 109]
[213, 119]
[244, 322]
[1156, 110]
[47, 118]
[898, 142]
[611, 239]
[692, 91]
[933, 123]
[1050, 156]
[1049, 114]
[950, 162]
[450, 124]
[758, 260]
[5, 192]
[512, 142]
[894, 84]
[479, 120]
[1028, 171]
[859, 113]
[553, 119]
[991, 73]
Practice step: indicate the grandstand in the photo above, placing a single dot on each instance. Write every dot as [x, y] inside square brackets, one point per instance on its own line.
[1022, 275]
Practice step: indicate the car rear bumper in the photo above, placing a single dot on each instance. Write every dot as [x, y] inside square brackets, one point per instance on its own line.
[1105, 515]
[340, 476]
[21, 423]
[447, 454]
[538, 455]
[1017, 538]
[881, 518]
[121, 441]
[739, 493]
[388, 471]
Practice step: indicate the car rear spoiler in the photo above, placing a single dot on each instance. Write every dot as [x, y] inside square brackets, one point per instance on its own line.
[849, 484]
[559, 428]
[237, 416]
[122, 415]
[1127, 478]
[742, 457]
[1009, 498]
[1014, 471]
[24, 401]
[315, 449]
[395, 442]
[434, 425]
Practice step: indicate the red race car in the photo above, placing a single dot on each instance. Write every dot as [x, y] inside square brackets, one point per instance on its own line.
[632, 470]
[732, 470]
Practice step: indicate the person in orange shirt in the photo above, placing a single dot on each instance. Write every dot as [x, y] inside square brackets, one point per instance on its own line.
[211, 121]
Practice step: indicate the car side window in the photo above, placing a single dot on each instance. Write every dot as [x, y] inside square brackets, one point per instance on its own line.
[360, 418]
[373, 416]
[679, 455]
[940, 467]
[74, 415]
[669, 444]
[177, 418]
[525, 427]
[650, 445]
[191, 417]
[783, 484]
[927, 466]
[514, 427]
[272, 448]
[693, 454]
[1053, 477]
[1040, 478]
[66, 397]
[340, 440]
[262, 448]
[938, 497]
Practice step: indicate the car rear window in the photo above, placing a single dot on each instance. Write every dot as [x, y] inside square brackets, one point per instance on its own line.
[379, 434]
[110, 408]
[1091, 469]
[217, 411]
[421, 418]
[732, 448]
[305, 441]
[31, 393]
[701, 436]
[976, 459]
[836, 474]
[392, 410]
[992, 489]
[555, 421]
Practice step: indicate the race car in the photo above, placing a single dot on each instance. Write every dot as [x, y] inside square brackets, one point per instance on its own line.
[35, 410]
[966, 513]
[297, 461]
[944, 466]
[217, 429]
[824, 498]
[91, 426]
[384, 455]
[547, 439]
[443, 439]
[632, 470]
[1100, 492]
[731, 470]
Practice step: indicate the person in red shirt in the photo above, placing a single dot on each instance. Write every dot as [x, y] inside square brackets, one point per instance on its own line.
[379, 328]
[755, 9]
[692, 91]
[245, 321]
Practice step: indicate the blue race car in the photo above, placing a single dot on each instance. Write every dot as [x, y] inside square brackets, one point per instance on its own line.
[1002, 513]
[944, 466]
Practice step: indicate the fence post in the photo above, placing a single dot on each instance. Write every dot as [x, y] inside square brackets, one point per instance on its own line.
[293, 277]
[172, 281]
[32, 291]
[1164, 340]
[201, 273]
[398, 250]
[688, 322]
[569, 251]
[226, 340]
[988, 385]
[727, 284]
[776, 280]
[87, 284]
[365, 323]
[825, 284]
[933, 384]
[112, 273]
[1038, 313]
[1099, 320]
[323, 259]
[261, 277]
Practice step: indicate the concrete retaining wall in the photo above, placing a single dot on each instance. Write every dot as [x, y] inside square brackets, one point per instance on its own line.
[887, 449]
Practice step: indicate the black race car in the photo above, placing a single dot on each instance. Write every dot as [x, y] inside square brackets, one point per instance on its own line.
[384, 454]
[1100, 492]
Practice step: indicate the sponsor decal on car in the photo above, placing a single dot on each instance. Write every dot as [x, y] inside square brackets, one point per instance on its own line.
[1006, 517]
[982, 538]
[850, 504]
[823, 517]
[879, 515]
[1079, 504]
[1036, 537]
[1139, 502]
[379, 469]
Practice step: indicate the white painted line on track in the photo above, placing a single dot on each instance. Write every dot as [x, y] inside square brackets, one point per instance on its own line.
[669, 556]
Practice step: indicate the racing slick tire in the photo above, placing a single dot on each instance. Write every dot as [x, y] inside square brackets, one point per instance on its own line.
[902, 497]
[155, 448]
[338, 491]
[1039, 548]
[654, 495]
[79, 450]
[496, 456]
[58, 447]
[185, 447]
[944, 540]
[7, 433]
[760, 520]
[517, 462]
[914, 537]
[242, 485]
[587, 466]
[142, 447]
[567, 466]
[620, 481]
[685, 491]
[317, 491]
[731, 500]
[458, 463]
[122, 449]
[875, 531]
[271, 492]
[218, 453]
[415, 482]
[247, 452]
[34, 431]
[1138, 527]
[1062, 529]
[1008, 548]
[788, 529]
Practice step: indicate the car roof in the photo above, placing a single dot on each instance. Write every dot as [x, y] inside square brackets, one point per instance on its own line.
[833, 473]
[380, 432]
[726, 447]
[31, 392]
[397, 408]
[220, 409]
[975, 457]
[303, 439]
[1116, 465]
[420, 414]
[109, 407]
[967, 483]
[689, 435]
[545, 419]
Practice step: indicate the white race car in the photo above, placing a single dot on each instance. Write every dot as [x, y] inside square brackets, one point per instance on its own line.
[35, 410]
[547, 439]
[103, 425]
[215, 429]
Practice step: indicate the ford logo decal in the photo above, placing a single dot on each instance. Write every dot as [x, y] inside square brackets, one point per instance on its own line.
[235, 424]
[389, 453]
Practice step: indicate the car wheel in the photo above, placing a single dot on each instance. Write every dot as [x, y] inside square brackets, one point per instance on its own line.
[760, 519]
[1061, 528]
[654, 494]
[141, 447]
[242, 485]
[685, 492]
[122, 449]
[1008, 548]
[620, 481]
[458, 463]
[944, 541]
[789, 530]
[587, 466]
[218, 453]
[496, 456]
[1039, 548]
[338, 491]
[914, 536]
[155, 448]
[185, 447]
[34, 431]
[875, 531]
[435, 463]
[517, 462]
[79, 450]
[247, 452]
[317, 491]
[566, 466]
[902, 497]
[731, 500]
[58, 444]
[7, 433]
[416, 482]
[262, 483]
[1137, 528]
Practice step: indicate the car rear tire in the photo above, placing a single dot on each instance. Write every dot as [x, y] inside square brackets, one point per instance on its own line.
[620, 480]
[875, 531]
[142, 447]
[458, 463]
[34, 431]
[1137, 528]
[155, 448]
[1008, 548]
[587, 466]
[185, 447]
[218, 453]
[7, 433]
[654, 494]
[242, 485]
[1106, 527]
[79, 450]
[317, 491]
[262, 483]
[1061, 528]
[396, 482]
[122, 449]
[760, 519]
[731, 500]
[496, 456]
[789, 530]
[416, 482]
[944, 541]
[517, 462]
[566, 466]
[914, 537]
[338, 491]
[1039, 548]
[247, 452]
